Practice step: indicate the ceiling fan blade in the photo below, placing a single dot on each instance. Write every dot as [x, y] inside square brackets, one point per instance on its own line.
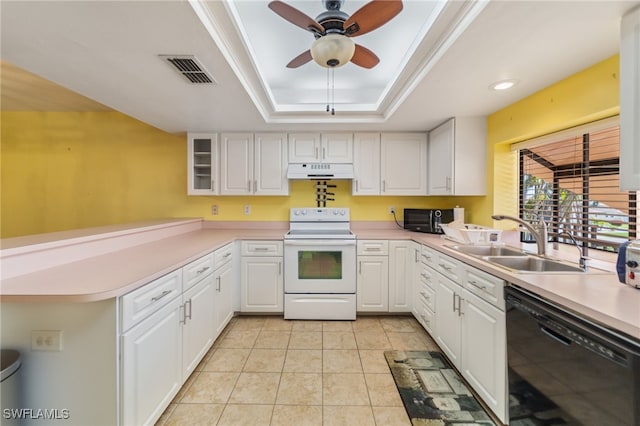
[294, 16]
[372, 15]
[364, 58]
[300, 60]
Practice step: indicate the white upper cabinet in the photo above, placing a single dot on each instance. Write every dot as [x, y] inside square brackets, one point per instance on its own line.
[321, 148]
[236, 164]
[457, 157]
[403, 169]
[366, 164]
[253, 164]
[202, 164]
[630, 101]
[270, 164]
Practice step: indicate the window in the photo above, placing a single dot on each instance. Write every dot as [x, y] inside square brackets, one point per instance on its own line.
[571, 181]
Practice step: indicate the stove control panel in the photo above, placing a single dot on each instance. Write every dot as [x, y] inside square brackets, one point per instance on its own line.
[320, 214]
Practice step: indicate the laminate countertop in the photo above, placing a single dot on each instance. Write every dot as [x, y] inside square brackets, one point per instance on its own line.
[36, 269]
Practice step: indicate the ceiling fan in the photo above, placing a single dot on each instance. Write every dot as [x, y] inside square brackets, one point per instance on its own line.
[333, 30]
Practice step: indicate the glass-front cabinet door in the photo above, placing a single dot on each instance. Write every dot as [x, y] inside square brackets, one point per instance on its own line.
[202, 160]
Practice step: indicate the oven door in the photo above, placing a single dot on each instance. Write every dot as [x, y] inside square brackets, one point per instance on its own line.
[320, 266]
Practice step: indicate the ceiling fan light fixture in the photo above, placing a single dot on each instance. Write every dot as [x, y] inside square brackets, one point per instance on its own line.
[333, 50]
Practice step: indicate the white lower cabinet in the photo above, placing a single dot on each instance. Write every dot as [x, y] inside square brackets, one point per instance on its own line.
[400, 276]
[151, 369]
[467, 308]
[261, 276]
[372, 280]
[223, 290]
[167, 327]
[197, 324]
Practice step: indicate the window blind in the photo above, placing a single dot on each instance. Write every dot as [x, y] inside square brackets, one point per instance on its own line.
[573, 184]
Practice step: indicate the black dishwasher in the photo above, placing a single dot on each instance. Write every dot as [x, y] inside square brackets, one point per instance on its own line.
[565, 370]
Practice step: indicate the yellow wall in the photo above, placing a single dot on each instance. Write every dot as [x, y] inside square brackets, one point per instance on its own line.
[64, 171]
[586, 96]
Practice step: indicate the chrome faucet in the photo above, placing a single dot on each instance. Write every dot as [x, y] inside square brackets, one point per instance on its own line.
[583, 259]
[540, 234]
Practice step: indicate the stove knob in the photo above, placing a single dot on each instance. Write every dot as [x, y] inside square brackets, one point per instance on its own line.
[632, 264]
[336, 212]
[342, 212]
[304, 212]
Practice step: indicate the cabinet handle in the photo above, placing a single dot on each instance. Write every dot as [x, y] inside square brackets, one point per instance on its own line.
[279, 268]
[448, 183]
[424, 275]
[460, 313]
[324, 153]
[183, 314]
[163, 294]
[261, 249]
[187, 316]
[360, 267]
[476, 285]
[445, 267]
[213, 184]
[454, 301]
[226, 255]
[372, 249]
[249, 186]
[415, 257]
[316, 156]
[200, 271]
[384, 186]
[255, 186]
[356, 185]
[218, 288]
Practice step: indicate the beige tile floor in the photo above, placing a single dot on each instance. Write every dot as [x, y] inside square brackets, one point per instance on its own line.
[265, 370]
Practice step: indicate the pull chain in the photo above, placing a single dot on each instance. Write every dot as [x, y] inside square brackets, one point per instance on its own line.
[327, 89]
[333, 91]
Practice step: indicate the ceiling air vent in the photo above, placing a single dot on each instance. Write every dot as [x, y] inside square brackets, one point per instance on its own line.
[190, 67]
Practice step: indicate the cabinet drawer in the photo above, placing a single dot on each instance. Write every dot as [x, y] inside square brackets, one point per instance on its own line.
[372, 247]
[428, 296]
[426, 276]
[485, 286]
[261, 248]
[428, 256]
[450, 268]
[427, 318]
[223, 255]
[146, 300]
[197, 270]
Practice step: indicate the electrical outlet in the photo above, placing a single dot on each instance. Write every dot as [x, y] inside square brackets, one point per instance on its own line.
[214, 209]
[247, 209]
[46, 340]
[392, 210]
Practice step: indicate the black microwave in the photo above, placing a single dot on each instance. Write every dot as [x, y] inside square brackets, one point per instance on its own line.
[427, 220]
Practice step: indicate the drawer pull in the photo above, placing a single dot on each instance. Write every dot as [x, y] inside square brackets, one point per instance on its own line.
[259, 249]
[476, 285]
[163, 294]
[200, 271]
[372, 249]
[445, 267]
[227, 255]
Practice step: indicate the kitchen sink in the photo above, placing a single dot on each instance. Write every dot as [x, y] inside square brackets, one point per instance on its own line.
[488, 250]
[532, 264]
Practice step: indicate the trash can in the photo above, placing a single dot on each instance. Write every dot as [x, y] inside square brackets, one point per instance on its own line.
[9, 384]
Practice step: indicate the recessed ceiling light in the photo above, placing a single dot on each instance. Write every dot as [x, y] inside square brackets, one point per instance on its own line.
[503, 85]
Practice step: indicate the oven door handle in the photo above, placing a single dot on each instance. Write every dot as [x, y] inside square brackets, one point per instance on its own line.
[320, 243]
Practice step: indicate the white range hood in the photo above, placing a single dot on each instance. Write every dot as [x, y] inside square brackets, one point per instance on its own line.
[320, 171]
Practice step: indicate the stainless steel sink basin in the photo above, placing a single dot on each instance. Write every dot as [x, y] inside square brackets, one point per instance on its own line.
[488, 250]
[532, 264]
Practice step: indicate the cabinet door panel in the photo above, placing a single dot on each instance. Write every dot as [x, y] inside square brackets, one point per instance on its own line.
[304, 147]
[222, 299]
[404, 163]
[202, 164]
[151, 365]
[373, 283]
[441, 140]
[262, 284]
[270, 165]
[400, 276]
[484, 353]
[448, 323]
[366, 164]
[236, 164]
[336, 148]
[197, 332]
